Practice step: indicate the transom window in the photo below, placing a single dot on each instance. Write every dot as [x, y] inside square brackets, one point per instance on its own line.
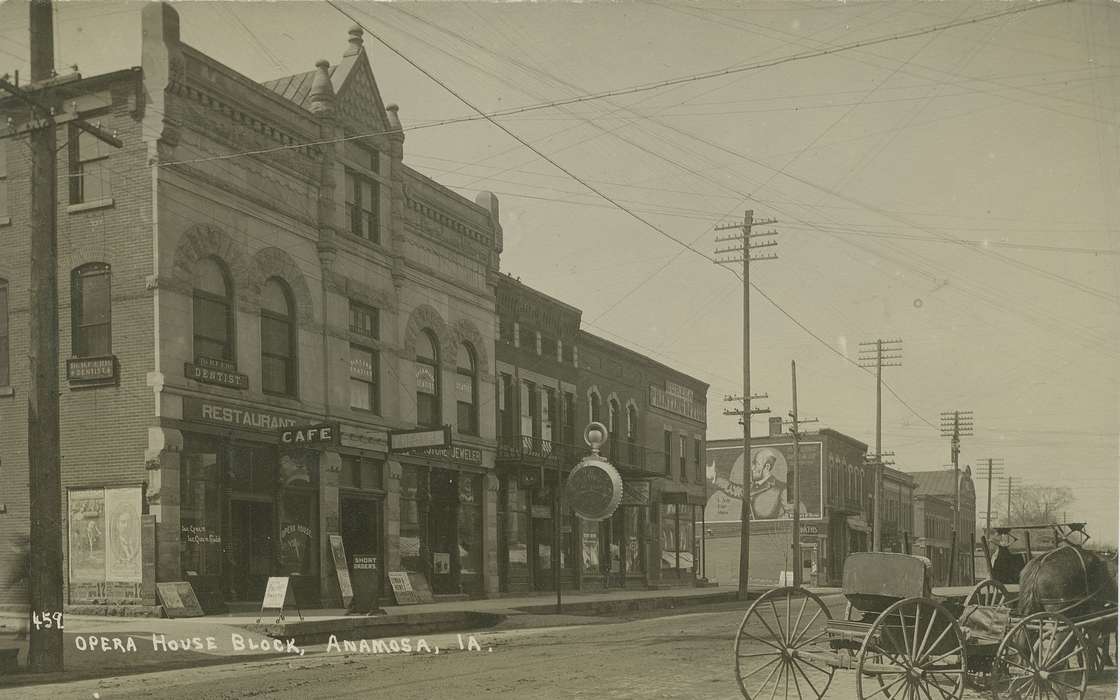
[90, 311]
[364, 320]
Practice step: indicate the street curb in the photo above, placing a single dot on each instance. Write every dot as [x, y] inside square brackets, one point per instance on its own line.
[606, 607]
[310, 632]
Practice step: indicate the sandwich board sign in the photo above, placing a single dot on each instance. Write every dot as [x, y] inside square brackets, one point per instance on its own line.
[338, 554]
[402, 588]
[179, 600]
[276, 598]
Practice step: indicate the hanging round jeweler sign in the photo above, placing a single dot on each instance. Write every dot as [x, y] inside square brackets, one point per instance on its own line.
[594, 487]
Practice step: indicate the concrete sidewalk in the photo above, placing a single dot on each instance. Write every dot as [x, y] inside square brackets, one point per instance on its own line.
[102, 646]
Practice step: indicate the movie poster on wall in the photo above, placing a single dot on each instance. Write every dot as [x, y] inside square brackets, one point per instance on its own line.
[122, 553]
[87, 535]
[770, 488]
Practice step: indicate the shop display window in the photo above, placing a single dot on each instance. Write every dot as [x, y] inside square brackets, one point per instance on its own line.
[200, 512]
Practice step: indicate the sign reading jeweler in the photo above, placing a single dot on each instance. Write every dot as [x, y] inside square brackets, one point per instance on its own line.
[594, 487]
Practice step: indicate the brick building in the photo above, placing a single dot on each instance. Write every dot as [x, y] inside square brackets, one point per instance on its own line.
[835, 492]
[897, 517]
[939, 485]
[211, 303]
[657, 419]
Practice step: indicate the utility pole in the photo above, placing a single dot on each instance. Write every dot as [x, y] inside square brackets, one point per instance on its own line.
[741, 253]
[45, 649]
[955, 424]
[1008, 489]
[993, 469]
[879, 353]
[795, 477]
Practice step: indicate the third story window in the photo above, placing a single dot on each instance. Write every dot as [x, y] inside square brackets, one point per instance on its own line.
[89, 167]
[364, 320]
[363, 206]
[90, 311]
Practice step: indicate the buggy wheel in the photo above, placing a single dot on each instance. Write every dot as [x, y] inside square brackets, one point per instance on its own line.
[915, 650]
[780, 646]
[990, 593]
[1045, 656]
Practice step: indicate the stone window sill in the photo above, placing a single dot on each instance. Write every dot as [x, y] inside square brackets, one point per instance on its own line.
[5, 221]
[87, 206]
[7, 391]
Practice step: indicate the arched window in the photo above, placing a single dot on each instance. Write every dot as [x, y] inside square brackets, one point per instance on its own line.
[427, 380]
[5, 372]
[631, 423]
[594, 407]
[614, 428]
[213, 311]
[90, 311]
[466, 385]
[278, 339]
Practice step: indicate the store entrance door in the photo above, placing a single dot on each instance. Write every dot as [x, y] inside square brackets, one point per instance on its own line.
[361, 525]
[250, 554]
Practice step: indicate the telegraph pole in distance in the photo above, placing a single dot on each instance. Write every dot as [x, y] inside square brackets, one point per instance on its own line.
[45, 648]
[992, 469]
[1008, 489]
[741, 253]
[795, 477]
[879, 353]
[955, 424]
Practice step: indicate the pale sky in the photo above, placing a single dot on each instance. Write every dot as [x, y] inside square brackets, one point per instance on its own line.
[958, 189]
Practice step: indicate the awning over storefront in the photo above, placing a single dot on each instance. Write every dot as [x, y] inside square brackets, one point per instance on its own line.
[857, 523]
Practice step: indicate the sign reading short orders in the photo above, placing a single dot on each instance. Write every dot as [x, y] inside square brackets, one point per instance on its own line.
[594, 488]
[178, 599]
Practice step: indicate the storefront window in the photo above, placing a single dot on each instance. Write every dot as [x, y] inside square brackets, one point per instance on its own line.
[685, 537]
[470, 532]
[632, 524]
[591, 550]
[298, 528]
[413, 492]
[516, 532]
[252, 469]
[668, 536]
[200, 511]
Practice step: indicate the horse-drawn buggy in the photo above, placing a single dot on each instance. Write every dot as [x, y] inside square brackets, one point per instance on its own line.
[903, 640]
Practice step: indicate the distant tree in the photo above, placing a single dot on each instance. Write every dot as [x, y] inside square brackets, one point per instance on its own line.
[1039, 505]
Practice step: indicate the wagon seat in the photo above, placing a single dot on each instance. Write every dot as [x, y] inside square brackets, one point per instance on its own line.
[873, 581]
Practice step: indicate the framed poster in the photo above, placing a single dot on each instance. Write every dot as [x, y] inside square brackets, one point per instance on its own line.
[338, 554]
[122, 553]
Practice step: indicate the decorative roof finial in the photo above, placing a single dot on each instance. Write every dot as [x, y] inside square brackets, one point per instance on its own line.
[355, 41]
[322, 92]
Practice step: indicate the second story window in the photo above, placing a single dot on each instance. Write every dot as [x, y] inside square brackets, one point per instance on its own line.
[530, 410]
[364, 395]
[698, 459]
[364, 320]
[363, 217]
[427, 380]
[89, 167]
[90, 311]
[5, 372]
[4, 212]
[278, 340]
[595, 407]
[506, 424]
[682, 456]
[466, 386]
[668, 452]
[213, 311]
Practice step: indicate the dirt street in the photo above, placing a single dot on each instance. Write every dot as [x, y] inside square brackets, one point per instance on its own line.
[685, 655]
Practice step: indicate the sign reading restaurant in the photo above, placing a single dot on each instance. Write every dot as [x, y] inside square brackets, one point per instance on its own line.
[677, 399]
[234, 416]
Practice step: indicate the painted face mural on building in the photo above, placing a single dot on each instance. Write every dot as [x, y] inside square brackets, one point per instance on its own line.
[770, 494]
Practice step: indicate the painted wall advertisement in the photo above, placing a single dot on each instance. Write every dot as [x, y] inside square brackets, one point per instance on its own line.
[105, 544]
[770, 492]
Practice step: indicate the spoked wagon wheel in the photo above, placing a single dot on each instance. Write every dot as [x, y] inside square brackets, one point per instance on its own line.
[989, 592]
[915, 650]
[781, 646]
[1043, 656]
